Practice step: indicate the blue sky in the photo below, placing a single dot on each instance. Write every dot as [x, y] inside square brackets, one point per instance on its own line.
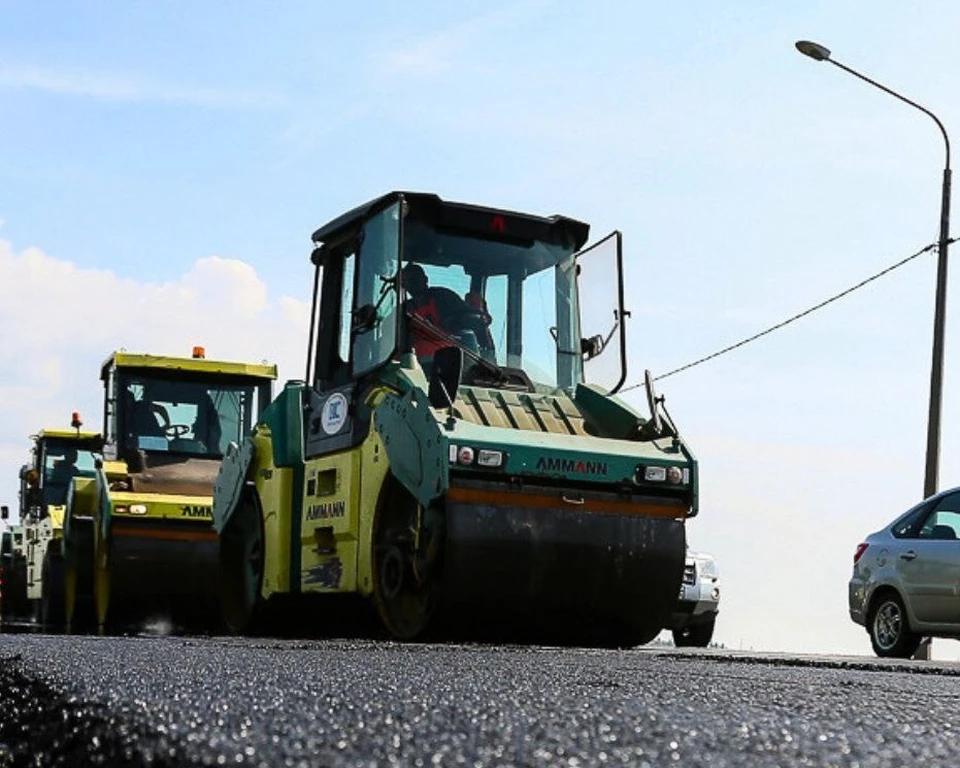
[162, 166]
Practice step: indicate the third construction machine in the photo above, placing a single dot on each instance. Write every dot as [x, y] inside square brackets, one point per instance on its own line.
[137, 536]
[57, 457]
[444, 457]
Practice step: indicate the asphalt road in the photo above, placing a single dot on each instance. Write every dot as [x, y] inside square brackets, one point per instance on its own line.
[223, 701]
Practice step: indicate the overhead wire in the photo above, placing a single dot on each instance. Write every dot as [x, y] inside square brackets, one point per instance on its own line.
[793, 318]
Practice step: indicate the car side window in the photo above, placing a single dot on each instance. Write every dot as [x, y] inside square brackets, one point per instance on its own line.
[943, 523]
[908, 526]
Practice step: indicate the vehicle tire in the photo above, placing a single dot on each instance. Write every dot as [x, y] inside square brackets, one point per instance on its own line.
[889, 628]
[241, 569]
[53, 608]
[695, 635]
[406, 579]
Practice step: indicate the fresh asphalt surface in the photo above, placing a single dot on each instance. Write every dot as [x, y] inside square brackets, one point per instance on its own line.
[226, 701]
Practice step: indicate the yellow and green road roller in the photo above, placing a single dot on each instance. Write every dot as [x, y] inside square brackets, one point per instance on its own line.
[444, 459]
[138, 540]
[57, 456]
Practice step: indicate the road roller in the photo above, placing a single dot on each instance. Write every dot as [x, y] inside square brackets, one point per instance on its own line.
[138, 542]
[57, 456]
[445, 462]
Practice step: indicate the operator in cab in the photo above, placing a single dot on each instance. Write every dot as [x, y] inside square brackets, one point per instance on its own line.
[437, 313]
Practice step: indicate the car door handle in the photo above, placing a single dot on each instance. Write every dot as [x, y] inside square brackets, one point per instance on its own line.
[908, 555]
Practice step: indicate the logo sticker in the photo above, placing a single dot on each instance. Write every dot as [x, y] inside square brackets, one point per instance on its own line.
[334, 413]
[326, 511]
[194, 511]
[572, 466]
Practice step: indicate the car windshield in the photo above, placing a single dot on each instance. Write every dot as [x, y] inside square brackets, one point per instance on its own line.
[512, 304]
[197, 415]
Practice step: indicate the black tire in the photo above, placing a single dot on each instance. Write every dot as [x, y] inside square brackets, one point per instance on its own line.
[406, 582]
[241, 569]
[695, 635]
[889, 628]
[53, 607]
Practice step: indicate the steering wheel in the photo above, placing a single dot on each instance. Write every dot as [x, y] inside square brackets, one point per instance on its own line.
[174, 431]
[469, 319]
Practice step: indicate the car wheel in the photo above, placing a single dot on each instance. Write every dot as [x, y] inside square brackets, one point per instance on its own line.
[889, 629]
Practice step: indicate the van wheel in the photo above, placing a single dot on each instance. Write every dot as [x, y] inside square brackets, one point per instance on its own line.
[695, 636]
[889, 629]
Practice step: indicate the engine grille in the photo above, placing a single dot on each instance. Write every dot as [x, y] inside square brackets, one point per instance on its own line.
[689, 573]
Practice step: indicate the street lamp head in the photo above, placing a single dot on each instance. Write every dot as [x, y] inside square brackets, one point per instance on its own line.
[814, 50]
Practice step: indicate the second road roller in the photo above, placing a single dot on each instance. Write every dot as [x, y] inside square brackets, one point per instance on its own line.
[137, 538]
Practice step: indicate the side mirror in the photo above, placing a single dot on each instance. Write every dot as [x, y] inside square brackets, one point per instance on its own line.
[592, 347]
[445, 377]
[364, 319]
[653, 402]
[4, 512]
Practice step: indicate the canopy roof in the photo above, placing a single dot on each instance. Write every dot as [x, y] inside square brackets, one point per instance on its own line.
[188, 365]
[489, 223]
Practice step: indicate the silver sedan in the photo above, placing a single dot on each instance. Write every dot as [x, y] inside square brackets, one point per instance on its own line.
[906, 577]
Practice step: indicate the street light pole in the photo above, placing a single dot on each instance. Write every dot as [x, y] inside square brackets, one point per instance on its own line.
[931, 475]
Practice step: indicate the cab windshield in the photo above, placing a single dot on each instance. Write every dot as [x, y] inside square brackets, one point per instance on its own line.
[197, 416]
[62, 461]
[512, 304]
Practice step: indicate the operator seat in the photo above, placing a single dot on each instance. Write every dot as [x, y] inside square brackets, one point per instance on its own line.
[206, 427]
[143, 421]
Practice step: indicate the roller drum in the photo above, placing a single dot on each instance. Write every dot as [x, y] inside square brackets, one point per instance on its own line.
[561, 566]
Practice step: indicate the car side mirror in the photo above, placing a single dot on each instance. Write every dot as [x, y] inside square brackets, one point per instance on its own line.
[445, 377]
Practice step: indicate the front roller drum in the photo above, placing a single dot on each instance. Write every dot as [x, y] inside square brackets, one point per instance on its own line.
[147, 571]
[559, 567]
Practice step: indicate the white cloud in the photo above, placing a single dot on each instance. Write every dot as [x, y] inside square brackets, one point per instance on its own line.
[61, 322]
[110, 87]
[434, 55]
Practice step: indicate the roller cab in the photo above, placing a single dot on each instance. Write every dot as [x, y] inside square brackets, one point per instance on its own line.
[58, 458]
[456, 454]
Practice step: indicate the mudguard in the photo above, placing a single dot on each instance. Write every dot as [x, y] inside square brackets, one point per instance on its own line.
[416, 448]
[230, 481]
